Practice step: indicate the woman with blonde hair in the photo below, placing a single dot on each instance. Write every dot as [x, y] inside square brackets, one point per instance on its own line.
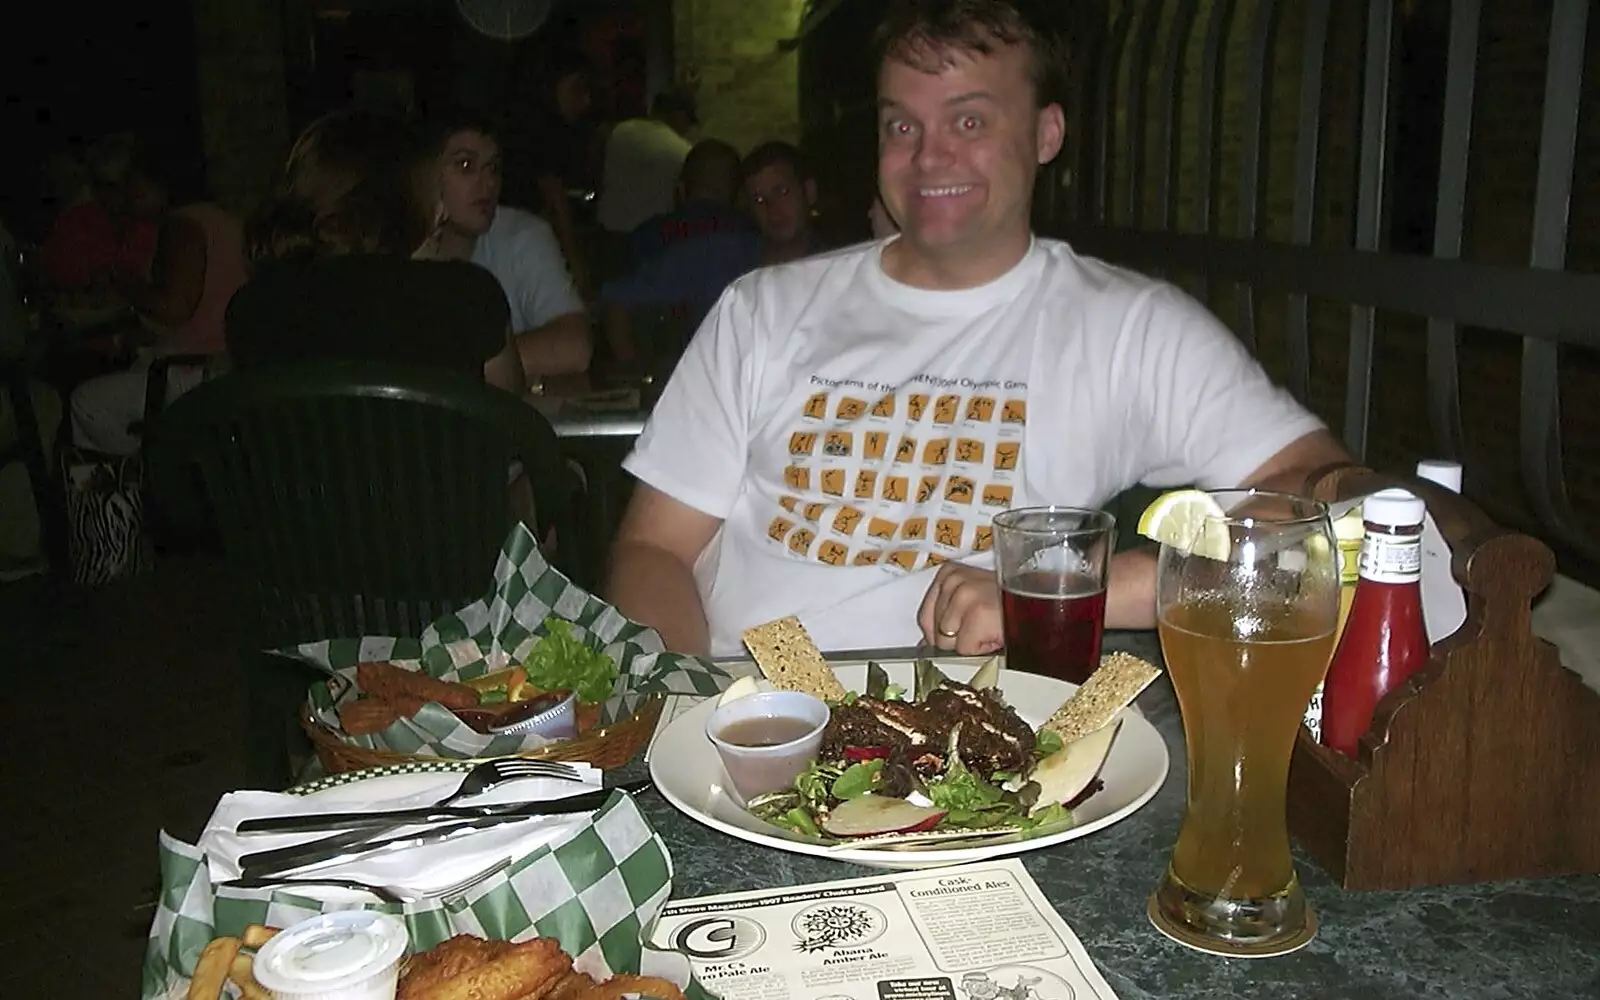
[340, 252]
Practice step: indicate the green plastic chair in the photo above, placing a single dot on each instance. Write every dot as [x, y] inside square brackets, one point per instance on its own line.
[352, 498]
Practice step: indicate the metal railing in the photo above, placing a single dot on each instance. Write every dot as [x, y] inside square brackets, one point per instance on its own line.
[1142, 114]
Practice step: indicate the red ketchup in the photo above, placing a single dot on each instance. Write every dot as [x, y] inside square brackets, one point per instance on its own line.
[1384, 641]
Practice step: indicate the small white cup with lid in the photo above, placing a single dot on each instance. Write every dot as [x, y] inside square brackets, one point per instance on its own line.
[348, 955]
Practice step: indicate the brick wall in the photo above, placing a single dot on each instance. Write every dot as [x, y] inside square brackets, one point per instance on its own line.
[727, 50]
[239, 50]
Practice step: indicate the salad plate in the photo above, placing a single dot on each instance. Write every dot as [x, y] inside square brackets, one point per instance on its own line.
[689, 774]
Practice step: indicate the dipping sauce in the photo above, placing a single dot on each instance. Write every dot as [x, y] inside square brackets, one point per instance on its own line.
[491, 719]
[347, 955]
[765, 739]
[765, 731]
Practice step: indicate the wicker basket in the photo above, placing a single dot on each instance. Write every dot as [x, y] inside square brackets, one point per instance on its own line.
[610, 746]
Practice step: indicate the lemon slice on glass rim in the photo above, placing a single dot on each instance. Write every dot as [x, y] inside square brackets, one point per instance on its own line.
[1188, 520]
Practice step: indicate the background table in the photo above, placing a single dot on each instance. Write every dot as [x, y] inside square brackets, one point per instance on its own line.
[1534, 939]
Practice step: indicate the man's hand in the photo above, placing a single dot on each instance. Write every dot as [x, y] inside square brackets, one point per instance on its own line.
[961, 610]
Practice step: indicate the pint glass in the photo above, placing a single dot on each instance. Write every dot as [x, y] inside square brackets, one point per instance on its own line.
[1246, 618]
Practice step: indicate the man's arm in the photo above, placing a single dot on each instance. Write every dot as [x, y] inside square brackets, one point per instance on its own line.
[562, 346]
[651, 576]
[1131, 589]
[1291, 469]
[504, 370]
[616, 325]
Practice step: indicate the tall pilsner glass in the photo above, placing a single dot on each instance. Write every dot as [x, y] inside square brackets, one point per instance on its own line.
[1247, 625]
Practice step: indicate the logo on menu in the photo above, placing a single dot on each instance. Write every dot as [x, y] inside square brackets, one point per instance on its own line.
[838, 925]
[719, 938]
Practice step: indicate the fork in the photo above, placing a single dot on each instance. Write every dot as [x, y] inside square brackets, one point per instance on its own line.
[492, 772]
[387, 893]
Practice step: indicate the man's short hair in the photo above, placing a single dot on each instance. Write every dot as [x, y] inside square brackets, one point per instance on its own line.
[773, 153]
[924, 34]
[440, 125]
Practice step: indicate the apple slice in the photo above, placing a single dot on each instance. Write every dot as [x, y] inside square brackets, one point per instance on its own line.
[1068, 771]
[739, 689]
[987, 676]
[872, 815]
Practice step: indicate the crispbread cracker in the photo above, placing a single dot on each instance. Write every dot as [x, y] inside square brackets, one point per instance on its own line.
[790, 660]
[1108, 691]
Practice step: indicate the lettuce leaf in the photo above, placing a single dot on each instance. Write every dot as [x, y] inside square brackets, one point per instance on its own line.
[561, 661]
[858, 779]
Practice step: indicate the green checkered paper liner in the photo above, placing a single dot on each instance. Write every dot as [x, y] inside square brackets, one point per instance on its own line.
[597, 890]
[497, 632]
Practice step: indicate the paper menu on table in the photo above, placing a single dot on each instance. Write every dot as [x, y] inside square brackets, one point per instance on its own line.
[674, 706]
[974, 932]
[1444, 605]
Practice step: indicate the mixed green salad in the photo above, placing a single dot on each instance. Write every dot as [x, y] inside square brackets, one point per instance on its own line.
[950, 757]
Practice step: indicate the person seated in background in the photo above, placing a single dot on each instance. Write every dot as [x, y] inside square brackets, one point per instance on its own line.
[198, 264]
[335, 279]
[549, 324]
[707, 196]
[687, 276]
[643, 159]
[96, 239]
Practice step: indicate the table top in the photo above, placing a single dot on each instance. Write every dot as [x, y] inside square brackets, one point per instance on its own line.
[590, 414]
[1508, 940]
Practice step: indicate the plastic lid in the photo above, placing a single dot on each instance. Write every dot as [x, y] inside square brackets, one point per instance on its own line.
[331, 952]
[1441, 471]
[1395, 508]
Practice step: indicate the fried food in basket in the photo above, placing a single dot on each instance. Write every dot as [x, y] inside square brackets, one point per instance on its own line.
[393, 683]
[216, 959]
[470, 968]
[242, 973]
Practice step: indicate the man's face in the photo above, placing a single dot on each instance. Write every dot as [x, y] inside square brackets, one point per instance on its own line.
[469, 181]
[958, 150]
[780, 202]
[573, 96]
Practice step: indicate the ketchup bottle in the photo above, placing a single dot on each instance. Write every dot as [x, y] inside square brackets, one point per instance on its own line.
[1384, 641]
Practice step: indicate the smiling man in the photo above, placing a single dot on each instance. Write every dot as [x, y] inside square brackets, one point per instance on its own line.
[842, 429]
[548, 319]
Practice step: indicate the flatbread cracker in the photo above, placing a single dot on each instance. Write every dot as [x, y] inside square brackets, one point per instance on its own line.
[791, 661]
[1108, 691]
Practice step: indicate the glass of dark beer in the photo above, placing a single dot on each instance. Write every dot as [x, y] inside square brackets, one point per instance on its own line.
[1052, 565]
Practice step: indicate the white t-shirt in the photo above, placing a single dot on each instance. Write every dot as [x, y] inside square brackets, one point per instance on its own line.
[521, 251]
[640, 179]
[853, 432]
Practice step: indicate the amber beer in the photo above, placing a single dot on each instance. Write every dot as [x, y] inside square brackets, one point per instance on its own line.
[1242, 679]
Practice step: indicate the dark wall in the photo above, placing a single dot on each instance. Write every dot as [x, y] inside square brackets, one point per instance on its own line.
[82, 69]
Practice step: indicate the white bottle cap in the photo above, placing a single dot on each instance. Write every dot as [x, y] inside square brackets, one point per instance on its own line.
[1394, 508]
[1442, 472]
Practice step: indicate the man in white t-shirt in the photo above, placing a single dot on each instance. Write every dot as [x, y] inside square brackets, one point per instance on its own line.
[643, 158]
[548, 319]
[842, 429]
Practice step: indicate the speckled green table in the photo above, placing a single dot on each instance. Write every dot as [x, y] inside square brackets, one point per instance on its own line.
[1534, 939]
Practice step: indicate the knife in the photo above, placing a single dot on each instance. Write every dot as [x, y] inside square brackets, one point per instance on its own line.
[427, 814]
[357, 843]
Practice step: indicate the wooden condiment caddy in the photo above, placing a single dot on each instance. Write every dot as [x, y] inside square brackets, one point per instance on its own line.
[1485, 764]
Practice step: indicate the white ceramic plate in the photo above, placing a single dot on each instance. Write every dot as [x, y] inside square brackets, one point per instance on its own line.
[689, 774]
